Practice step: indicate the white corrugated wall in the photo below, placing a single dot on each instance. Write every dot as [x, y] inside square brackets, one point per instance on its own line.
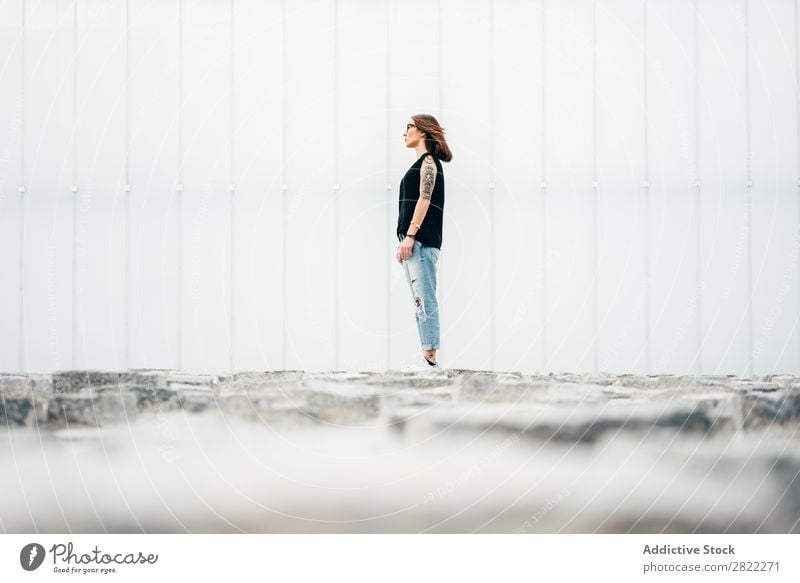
[212, 184]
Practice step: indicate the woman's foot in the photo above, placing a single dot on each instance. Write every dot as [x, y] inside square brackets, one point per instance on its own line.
[422, 365]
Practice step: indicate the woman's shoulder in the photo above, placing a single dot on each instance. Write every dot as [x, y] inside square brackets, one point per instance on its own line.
[430, 156]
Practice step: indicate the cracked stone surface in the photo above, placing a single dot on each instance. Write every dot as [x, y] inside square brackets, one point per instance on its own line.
[448, 451]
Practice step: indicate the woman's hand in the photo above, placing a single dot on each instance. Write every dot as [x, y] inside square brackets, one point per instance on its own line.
[405, 249]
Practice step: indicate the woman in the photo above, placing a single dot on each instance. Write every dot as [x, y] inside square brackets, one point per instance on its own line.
[419, 228]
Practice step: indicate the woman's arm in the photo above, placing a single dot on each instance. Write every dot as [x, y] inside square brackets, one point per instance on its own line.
[427, 178]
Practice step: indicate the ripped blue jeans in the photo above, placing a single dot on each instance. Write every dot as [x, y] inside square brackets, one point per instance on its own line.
[420, 272]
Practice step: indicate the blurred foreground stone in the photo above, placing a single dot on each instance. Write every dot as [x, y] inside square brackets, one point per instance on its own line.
[450, 451]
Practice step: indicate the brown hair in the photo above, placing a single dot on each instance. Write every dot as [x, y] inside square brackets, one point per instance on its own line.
[434, 136]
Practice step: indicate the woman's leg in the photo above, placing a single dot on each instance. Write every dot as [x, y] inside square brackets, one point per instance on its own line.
[421, 276]
[411, 269]
[430, 326]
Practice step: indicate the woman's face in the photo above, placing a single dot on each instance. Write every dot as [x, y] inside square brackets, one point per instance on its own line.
[412, 135]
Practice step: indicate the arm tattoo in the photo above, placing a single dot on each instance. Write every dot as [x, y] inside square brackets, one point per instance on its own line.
[428, 178]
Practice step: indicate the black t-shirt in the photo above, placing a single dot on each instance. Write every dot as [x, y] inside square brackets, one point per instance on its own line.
[430, 232]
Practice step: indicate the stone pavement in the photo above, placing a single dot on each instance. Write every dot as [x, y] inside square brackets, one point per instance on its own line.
[448, 451]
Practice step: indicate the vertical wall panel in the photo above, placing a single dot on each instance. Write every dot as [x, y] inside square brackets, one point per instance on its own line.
[309, 151]
[621, 219]
[361, 157]
[570, 269]
[773, 126]
[722, 169]
[413, 89]
[258, 156]
[48, 177]
[10, 180]
[467, 247]
[206, 198]
[671, 173]
[10, 63]
[153, 243]
[517, 176]
[100, 143]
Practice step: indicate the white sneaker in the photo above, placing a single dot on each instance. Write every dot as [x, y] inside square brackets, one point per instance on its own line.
[422, 365]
